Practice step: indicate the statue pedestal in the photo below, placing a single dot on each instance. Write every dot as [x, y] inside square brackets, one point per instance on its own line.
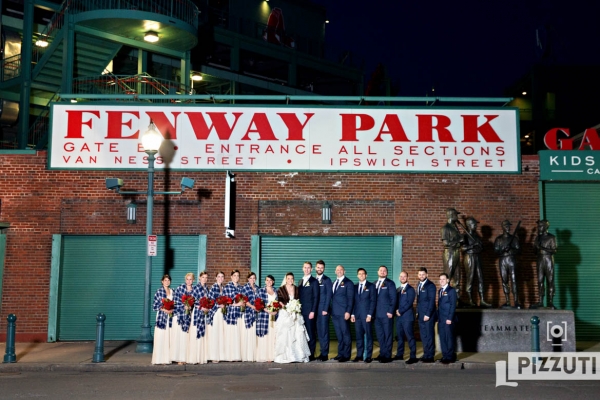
[500, 330]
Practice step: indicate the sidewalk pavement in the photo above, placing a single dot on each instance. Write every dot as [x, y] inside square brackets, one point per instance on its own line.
[120, 356]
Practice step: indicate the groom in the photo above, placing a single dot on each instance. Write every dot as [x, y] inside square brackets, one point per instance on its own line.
[309, 298]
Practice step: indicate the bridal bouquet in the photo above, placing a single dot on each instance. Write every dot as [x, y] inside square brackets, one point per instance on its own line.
[207, 303]
[293, 306]
[259, 304]
[240, 297]
[274, 306]
[224, 301]
[168, 305]
[188, 301]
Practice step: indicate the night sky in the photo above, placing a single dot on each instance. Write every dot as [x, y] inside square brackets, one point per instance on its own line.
[464, 48]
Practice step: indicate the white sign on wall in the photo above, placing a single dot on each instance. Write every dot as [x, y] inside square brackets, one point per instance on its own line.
[90, 136]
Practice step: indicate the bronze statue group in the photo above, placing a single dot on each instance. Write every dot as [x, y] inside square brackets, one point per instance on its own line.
[196, 323]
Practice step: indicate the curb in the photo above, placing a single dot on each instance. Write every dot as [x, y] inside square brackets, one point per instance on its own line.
[230, 366]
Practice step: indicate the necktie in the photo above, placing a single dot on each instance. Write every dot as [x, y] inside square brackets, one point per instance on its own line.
[361, 288]
[378, 286]
[336, 285]
[420, 287]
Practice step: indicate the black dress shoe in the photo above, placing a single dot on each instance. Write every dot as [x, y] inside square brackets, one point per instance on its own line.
[412, 361]
[343, 359]
[427, 360]
[385, 360]
[445, 361]
[337, 358]
[357, 359]
[377, 358]
[368, 360]
[324, 358]
[311, 358]
[400, 358]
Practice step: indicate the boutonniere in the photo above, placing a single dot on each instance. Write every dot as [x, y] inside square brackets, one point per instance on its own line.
[403, 291]
[307, 284]
[366, 290]
[444, 294]
[342, 284]
[382, 286]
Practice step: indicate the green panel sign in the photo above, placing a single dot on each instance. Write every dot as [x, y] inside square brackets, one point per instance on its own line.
[569, 165]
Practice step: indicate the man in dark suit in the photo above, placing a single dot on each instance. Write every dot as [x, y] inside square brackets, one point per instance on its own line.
[325, 292]
[342, 301]
[384, 314]
[405, 319]
[309, 298]
[447, 318]
[426, 314]
[362, 312]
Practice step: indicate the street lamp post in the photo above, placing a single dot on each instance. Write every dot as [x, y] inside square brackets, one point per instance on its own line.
[151, 141]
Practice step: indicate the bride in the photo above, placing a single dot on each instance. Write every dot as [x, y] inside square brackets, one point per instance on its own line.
[291, 339]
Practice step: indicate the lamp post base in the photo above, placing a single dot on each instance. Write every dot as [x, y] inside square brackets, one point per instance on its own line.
[145, 343]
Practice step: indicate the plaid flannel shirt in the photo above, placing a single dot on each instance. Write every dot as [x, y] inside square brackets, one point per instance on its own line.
[199, 319]
[183, 319]
[215, 291]
[250, 314]
[262, 319]
[161, 316]
[233, 312]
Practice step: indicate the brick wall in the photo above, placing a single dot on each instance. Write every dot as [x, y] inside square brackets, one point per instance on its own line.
[39, 203]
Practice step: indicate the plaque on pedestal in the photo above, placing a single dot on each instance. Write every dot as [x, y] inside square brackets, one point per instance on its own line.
[481, 330]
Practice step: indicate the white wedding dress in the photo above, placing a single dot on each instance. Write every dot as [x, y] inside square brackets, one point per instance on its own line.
[291, 339]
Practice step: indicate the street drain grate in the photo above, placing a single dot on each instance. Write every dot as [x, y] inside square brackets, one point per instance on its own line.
[253, 388]
[176, 375]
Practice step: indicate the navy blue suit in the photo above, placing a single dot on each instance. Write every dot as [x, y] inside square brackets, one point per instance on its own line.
[364, 304]
[405, 323]
[426, 307]
[447, 311]
[309, 298]
[325, 293]
[384, 326]
[342, 302]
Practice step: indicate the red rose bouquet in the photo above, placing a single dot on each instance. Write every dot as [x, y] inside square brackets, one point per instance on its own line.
[259, 304]
[168, 305]
[224, 301]
[240, 297]
[274, 306]
[188, 301]
[207, 303]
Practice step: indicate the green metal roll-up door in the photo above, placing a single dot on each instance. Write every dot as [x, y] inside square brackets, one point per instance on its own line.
[105, 274]
[573, 211]
[282, 254]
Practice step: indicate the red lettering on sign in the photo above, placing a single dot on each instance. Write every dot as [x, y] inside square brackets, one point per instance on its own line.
[295, 127]
[115, 125]
[426, 128]
[218, 123]
[351, 125]
[75, 122]
[472, 130]
[394, 129]
[261, 125]
[163, 124]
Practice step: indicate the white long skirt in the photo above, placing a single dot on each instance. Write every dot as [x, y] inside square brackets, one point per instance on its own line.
[248, 341]
[265, 346]
[215, 338]
[179, 342]
[291, 344]
[197, 348]
[161, 354]
[232, 339]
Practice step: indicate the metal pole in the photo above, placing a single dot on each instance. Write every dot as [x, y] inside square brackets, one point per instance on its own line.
[535, 337]
[10, 356]
[99, 349]
[145, 342]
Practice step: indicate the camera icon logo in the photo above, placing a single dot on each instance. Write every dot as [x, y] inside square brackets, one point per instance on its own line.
[556, 333]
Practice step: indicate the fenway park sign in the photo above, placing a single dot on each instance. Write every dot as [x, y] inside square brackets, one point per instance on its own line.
[90, 136]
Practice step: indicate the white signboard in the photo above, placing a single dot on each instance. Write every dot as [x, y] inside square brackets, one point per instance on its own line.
[89, 136]
[152, 245]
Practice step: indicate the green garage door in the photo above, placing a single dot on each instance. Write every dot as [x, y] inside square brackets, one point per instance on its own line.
[105, 274]
[573, 211]
[281, 254]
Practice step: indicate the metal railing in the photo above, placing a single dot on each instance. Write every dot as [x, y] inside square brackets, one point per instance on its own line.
[10, 68]
[40, 126]
[183, 10]
[134, 85]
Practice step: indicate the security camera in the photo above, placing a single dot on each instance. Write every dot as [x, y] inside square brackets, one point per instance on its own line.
[229, 233]
[187, 183]
[114, 183]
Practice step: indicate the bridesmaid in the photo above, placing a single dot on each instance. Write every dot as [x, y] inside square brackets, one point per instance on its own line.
[161, 353]
[248, 329]
[265, 329]
[197, 347]
[216, 322]
[181, 321]
[232, 328]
